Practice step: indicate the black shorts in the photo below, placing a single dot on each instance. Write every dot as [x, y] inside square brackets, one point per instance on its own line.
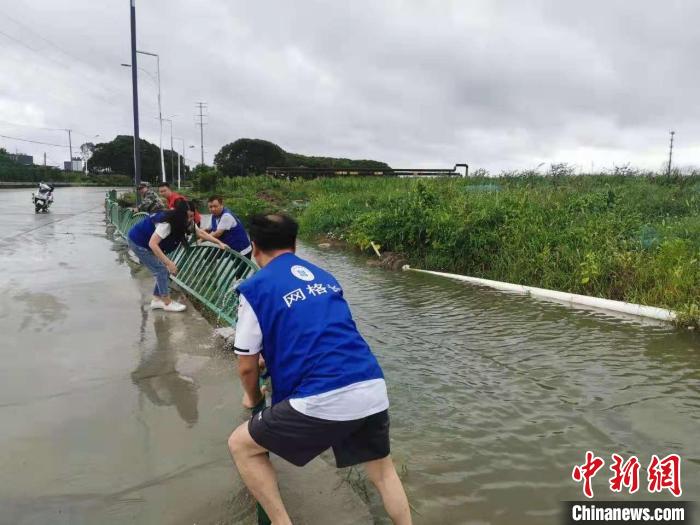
[299, 438]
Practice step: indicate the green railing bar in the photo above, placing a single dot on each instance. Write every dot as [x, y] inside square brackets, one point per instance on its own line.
[205, 272]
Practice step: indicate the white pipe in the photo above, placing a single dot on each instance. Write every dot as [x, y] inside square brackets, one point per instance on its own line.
[571, 298]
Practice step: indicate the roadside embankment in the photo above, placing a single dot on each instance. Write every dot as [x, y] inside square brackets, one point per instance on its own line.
[627, 238]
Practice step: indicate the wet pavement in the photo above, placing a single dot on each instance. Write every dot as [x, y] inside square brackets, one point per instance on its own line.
[111, 413]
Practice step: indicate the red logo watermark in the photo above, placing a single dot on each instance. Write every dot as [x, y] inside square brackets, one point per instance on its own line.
[662, 474]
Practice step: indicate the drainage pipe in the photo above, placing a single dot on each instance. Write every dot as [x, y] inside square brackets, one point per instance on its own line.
[638, 310]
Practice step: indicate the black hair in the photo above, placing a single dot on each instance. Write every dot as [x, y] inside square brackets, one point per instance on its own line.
[273, 231]
[216, 198]
[166, 184]
[178, 220]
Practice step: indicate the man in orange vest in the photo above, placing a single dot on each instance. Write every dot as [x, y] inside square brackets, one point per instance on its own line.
[171, 197]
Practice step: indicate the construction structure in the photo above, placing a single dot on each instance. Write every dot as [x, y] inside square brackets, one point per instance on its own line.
[285, 172]
[21, 158]
[76, 164]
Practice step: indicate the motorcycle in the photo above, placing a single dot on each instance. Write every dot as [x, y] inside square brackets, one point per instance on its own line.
[43, 199]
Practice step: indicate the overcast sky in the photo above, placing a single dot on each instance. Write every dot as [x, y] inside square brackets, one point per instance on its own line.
[496, 84]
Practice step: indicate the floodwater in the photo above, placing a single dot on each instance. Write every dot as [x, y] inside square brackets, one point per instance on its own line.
[495, 397]
[111, 413]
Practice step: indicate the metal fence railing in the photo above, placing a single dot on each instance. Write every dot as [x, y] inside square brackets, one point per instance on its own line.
[207, 273]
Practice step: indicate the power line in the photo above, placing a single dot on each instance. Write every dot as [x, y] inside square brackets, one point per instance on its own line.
[34, 141]
[17, 40]
[47, 129]
[30, 126]
[44, 55]
[41, 37]
[33, 50]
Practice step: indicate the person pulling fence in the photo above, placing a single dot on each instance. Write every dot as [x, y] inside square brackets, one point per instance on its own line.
[171, 197]
[227, 227]
[158, 235]
[328, 390]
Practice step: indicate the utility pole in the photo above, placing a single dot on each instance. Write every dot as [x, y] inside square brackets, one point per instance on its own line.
[202, 106]
[670, 155]
[135, 94]
[70, 149]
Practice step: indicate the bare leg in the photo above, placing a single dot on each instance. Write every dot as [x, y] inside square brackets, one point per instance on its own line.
[258, 474]
[382, 474]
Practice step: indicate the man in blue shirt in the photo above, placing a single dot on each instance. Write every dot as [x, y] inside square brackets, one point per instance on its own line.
[328, 390]
[227, 227]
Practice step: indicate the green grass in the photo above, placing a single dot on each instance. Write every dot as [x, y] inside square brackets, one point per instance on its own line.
[634, 239]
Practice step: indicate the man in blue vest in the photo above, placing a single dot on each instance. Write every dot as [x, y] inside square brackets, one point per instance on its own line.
[328, 390]
[227, 227]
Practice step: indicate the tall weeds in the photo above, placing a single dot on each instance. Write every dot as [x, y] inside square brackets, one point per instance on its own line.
[628, 238]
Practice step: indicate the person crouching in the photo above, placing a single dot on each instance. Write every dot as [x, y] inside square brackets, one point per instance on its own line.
[158, 235]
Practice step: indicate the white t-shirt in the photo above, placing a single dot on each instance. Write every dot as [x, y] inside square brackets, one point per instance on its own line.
[226, 222]
[350, 402]
[163, 229]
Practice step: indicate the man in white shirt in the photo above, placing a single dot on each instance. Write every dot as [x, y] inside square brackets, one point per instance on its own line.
[227, 227]
[328, 390]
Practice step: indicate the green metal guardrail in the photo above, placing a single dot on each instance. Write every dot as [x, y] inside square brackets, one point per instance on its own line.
[207, 273]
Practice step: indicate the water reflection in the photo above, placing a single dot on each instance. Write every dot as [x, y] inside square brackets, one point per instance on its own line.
[157, 376]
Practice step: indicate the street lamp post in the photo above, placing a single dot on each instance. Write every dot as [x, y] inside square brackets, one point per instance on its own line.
[160, 113]
[172, 150]
[180, 160]
[87, 158]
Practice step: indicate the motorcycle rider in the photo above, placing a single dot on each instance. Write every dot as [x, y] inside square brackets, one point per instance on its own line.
[46, 189]
[44, 197]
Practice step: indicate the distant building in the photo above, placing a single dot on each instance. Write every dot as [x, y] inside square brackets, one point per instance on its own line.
[21, 158]
[75, 165]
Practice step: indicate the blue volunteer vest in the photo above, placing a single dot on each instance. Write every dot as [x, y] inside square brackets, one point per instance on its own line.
[310, 342]
[141, 232]
[236, 237]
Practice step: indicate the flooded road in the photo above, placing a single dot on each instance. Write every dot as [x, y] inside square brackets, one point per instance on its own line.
[113, 414]
[110, 413]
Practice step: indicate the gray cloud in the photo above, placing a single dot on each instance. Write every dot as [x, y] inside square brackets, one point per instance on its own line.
[499, 84]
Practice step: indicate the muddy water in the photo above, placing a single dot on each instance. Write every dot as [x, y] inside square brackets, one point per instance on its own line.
[111, 413]
[496, 397]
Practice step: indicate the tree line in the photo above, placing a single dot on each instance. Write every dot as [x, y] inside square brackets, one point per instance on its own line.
[241, 158]
[117, 156]
[246, 157]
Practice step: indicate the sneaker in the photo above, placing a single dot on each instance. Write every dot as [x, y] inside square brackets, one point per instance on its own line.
[174, 306]
[157, 304]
